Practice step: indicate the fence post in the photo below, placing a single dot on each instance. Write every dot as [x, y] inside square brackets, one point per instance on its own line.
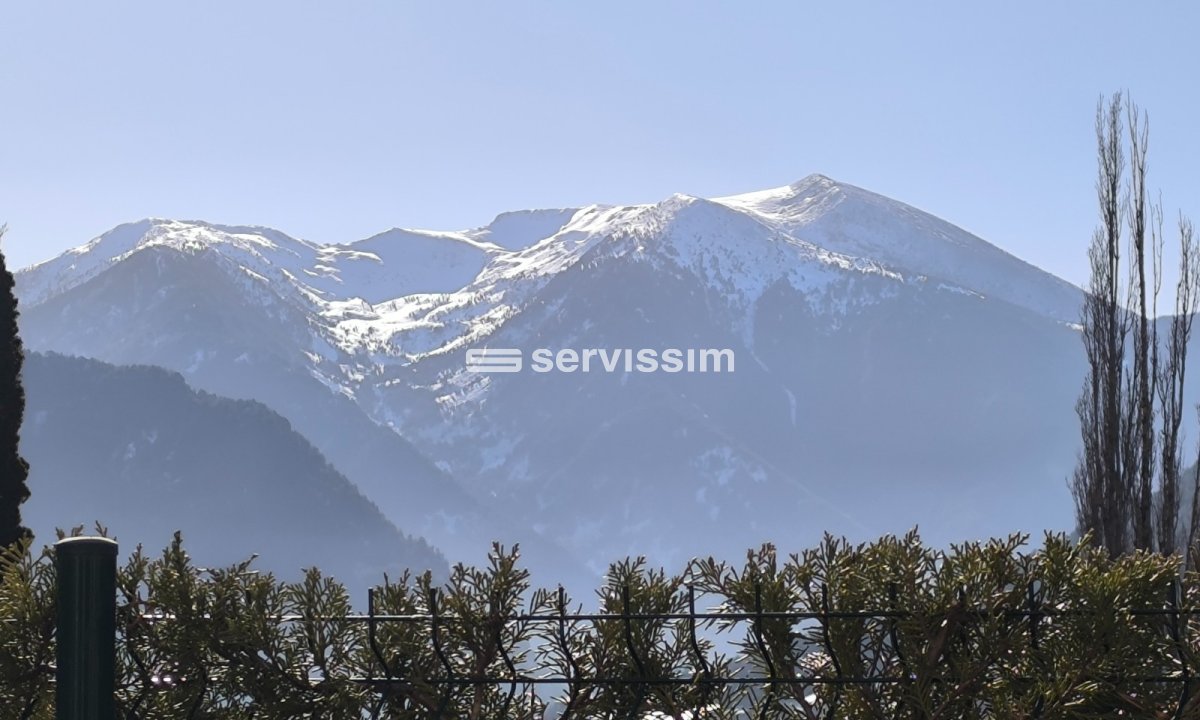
[87, 606]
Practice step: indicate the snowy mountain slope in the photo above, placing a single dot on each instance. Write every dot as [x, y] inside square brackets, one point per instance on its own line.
[891, 369]
[397, 263]
[733, 251]
[855, 222]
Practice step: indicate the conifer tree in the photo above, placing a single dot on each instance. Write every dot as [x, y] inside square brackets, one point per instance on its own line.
[13, 468]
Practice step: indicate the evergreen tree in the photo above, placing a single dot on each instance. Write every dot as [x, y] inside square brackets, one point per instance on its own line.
[13, 468]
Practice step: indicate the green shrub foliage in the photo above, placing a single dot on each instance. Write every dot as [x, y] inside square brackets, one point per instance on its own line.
[889, 629]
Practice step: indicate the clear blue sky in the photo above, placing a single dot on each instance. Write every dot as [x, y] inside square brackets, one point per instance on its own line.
[335, 120]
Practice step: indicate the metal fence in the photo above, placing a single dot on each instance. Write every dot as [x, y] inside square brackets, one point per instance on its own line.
[817, 680]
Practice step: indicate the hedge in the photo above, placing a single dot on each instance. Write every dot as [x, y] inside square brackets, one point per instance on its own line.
[889, 629]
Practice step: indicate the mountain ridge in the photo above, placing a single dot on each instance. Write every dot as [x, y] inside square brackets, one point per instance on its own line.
[792, 210]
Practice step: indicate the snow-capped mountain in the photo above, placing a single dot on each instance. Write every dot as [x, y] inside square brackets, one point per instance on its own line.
[891, 368]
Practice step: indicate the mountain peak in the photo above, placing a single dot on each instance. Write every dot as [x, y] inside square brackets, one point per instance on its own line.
[250, 246]
[858, 223]
[814, 180]
[130, 236]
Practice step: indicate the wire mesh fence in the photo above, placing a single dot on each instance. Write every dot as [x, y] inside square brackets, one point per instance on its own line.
[886, 630]
[786, 664]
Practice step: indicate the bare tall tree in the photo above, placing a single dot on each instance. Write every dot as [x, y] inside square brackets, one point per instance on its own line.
[1170, 396]
[1101, 494]
[1140, 386]
[1131, 406]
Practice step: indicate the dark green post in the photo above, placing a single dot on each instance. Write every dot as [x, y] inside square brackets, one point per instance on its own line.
[87, 610]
